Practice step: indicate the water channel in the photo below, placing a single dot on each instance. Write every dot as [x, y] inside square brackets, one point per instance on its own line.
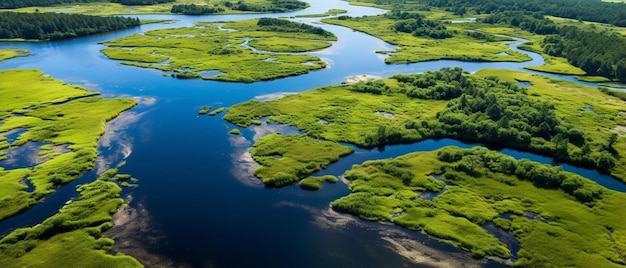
[196, 205]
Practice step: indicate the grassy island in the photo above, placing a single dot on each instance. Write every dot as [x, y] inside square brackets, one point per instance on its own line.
[242, 51]
[572, 223]
[9, 53]
[558, 218]
[73, 235]
[286, 159]
[49, 114]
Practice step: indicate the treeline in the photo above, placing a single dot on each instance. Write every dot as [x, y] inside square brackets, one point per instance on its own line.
[491, 111]
[417, 25]
[478, 159]
[276, 6]
[280, 25]
[589, 10]
[596, 53]
[44, 3]
[195, 9]
[53, 26]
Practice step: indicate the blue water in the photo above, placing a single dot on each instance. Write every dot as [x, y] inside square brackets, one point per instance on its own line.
[188, 165]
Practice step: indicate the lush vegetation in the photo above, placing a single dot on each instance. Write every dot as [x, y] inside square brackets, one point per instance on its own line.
[420, 38]
[73, 235]
[187, 52]
[52, 26]
[141, 2]
[315, 182]
[275, 6]
[193, 9]
[572, 123]
[9, 53]
[286, 159]
[54, 114]
[31, 3]
[559, 219]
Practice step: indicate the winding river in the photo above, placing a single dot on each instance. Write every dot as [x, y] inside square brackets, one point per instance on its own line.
[197, 204]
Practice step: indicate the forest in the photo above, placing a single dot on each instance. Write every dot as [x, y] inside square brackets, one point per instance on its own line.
[195, 9]
[53, 26]
[277, 6]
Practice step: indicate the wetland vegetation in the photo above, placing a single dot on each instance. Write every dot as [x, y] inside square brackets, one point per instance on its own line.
[9, 53]
[48, 112]
[233, 52]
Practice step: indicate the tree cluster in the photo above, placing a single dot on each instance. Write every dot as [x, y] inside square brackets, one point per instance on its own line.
[281, 25]
[418, 26]
[276, 6]
[589, 10]
[478, 159]
[529, 21]
[54, 26]
[195, 9]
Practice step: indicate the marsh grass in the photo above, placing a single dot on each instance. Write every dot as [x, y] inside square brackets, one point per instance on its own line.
[235, 131]
[217, 111]
[73, 235]
[315, 182]
[565, 232]
[418, 49]
[9, 53]
[286, 159]
[57, 114]
[204, 47]
[205, 110]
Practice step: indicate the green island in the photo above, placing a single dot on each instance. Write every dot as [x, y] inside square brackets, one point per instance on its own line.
[115, 7]
[570, 122]
[226, 51]
[524, 198]
[9, 53]
[331, 12]
[63, 121]
[286, 159]
[74, 234]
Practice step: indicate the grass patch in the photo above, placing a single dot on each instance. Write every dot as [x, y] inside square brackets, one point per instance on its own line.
[53, 113]
[556, 65]
[235, 131]
[73, 235]
[204, 47]
[217, 111]
[585, 234]
[205, 110]
[592, 79]
[286, 159]
[315, 183]
[9, 53]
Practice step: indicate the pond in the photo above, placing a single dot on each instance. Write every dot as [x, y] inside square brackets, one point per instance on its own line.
[194, 205]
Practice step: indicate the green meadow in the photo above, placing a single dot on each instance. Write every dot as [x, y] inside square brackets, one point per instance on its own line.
[9, 53]
[54, 114]
[73, 235]
[286, 159]
[554, 228]
[107, 8]
[242, 51]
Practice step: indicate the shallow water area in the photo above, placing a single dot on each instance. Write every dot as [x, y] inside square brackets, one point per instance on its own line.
[196, 187]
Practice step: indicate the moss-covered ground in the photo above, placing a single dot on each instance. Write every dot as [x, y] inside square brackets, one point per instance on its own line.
[73, 236]
[286, 159]
[9, 53]
[55, 113]
[106, 8]
[553, 228]
[207, 48]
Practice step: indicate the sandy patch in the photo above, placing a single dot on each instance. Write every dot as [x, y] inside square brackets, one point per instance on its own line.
[361, 78]
[620, 128]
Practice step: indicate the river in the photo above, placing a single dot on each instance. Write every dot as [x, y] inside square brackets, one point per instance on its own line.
[196, 206]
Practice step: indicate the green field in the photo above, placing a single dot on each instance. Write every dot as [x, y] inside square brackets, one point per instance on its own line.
[53, 114]
[187, 52]
[9, 53]
[107, 8]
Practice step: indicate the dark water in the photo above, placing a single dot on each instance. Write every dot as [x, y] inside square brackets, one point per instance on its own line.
[206, 208]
